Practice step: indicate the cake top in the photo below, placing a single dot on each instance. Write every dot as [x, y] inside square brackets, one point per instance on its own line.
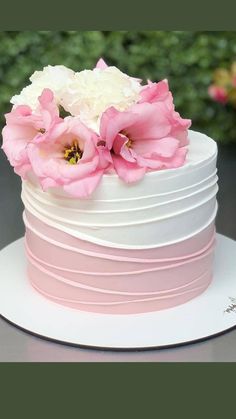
[69, 129]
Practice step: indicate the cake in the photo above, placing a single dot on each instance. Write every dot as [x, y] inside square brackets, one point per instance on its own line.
[119, 192]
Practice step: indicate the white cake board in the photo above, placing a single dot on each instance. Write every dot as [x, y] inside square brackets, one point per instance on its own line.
[201, 318]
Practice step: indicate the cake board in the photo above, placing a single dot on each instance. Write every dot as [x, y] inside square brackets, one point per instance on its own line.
[210, 314]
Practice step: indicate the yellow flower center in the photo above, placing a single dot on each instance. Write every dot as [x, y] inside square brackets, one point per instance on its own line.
[73, 153]
[129, 143]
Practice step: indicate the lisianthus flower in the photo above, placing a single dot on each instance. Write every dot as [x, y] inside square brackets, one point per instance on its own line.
[24, 126]
[146, 137]
[69, 160]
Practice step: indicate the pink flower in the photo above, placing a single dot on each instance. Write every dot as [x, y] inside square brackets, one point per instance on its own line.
[148, 136]
[23, 126]
[218, 93]
[70, 159]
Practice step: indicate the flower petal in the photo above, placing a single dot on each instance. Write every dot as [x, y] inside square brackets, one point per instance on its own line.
[101, 64]
[83, 188]
[23, 170]
[151, 121]
[129, 172]
[158, 163]
[155, 92]
[165, 147]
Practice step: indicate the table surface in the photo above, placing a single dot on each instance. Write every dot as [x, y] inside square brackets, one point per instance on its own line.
[19, 346]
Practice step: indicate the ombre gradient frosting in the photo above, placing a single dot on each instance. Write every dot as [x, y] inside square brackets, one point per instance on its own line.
[128, 248]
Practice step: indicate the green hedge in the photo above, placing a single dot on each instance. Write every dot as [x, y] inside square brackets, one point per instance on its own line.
[187, 59]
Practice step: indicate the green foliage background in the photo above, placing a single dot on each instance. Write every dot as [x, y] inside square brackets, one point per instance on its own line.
[187, 59]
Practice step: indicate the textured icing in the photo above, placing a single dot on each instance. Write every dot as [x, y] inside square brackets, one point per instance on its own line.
[130, 248]
[96, 281]
[142, 215]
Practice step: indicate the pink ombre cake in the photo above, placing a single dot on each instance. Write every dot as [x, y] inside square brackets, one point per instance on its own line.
[129, 249]
[120, 196]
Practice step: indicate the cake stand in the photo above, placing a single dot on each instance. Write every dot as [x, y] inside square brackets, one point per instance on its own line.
[208, 315]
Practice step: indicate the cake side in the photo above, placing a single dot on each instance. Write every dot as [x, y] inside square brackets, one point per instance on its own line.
[91, 279]
[136, 268]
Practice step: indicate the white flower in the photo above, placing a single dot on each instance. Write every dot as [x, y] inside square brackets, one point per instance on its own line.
[87, 93]
[91, 92]
[55, 78]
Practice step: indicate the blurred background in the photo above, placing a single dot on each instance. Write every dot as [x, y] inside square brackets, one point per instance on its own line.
[200, 67]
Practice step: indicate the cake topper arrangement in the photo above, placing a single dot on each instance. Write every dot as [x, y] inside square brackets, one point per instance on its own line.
[67, 129]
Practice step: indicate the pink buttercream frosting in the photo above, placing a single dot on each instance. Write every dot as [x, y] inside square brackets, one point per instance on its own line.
[95, 278]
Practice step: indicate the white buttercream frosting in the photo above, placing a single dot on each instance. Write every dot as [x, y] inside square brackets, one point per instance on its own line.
[165, 207]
